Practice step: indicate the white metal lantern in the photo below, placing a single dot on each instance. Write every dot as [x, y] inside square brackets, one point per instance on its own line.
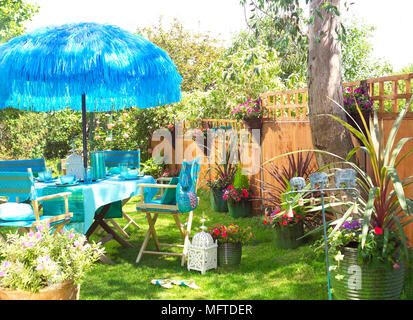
[202, 252]
[74, 165]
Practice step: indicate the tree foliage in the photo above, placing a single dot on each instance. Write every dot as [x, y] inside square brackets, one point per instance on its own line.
[191, 52]
[13, 13]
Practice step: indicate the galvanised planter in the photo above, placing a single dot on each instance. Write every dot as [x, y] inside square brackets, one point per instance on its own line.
[218, 204]
[286, 236]
[240, 209]
[229, 254]
[365, 282]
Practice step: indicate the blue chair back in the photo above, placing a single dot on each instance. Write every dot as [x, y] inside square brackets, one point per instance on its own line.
[186, 189]
[17, 185]
[114, 158]
[37, 165]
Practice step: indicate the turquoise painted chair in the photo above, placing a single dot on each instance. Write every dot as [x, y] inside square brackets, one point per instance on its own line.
[24, 212]
[112, 161]
[179, 198]
[36, 165]
[114, 158]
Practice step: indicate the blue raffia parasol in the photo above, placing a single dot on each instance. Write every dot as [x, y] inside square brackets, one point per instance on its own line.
[87, 67]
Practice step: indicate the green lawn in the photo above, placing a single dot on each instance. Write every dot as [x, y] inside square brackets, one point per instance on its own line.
[265, 271]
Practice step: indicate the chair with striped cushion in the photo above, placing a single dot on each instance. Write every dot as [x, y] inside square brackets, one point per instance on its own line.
[179, 198]
[112, 161]
[23, 212]
[36, 165]
[114, 158]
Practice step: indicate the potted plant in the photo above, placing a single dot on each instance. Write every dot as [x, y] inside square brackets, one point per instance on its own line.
[288, 226]
[41, 266]
[217, 187]
[238, 196]
[358, 98]
[250, 112]
[222, 176]
[369, 245]
[230, 241]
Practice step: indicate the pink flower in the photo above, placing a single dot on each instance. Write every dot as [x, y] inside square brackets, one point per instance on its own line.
[396, 266]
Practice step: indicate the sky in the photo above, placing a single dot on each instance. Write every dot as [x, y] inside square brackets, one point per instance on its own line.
[223, 18]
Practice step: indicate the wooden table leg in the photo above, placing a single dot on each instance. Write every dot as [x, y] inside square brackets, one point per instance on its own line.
[99, 221]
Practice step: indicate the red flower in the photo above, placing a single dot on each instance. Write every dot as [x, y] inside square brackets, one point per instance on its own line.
[265, 221]
[284, 222]
[216, 231]
[378, 230]
[224, 234]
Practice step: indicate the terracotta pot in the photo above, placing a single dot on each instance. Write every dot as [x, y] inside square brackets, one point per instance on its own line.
[64, 291]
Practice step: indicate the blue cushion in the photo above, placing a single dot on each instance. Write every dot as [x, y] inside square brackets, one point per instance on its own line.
[11, 211]
[169, 195]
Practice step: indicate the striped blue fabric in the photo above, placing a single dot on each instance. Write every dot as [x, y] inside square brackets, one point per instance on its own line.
[17, 184]
[186, 189]
[37, 165]
[114, 158]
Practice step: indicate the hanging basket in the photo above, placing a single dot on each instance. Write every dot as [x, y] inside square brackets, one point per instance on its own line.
[229, 254]
[240, 209]
[67, 290]
[366, 282]
[253, 123]
[286, 237]
[358, 122]
[218, 204]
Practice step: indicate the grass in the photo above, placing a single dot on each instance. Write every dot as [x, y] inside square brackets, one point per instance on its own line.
[265, 273]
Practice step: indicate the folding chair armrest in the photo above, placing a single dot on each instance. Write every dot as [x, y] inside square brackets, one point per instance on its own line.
[65, 216]
[53, 196]
[152, 185]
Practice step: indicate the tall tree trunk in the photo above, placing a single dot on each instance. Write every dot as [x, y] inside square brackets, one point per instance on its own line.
[324, 80]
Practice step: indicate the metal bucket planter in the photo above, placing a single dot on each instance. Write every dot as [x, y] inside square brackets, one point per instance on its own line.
[64, 291]
[229, 254]
[218, 204]
[366, 282]
[286, 236]
[240, 209]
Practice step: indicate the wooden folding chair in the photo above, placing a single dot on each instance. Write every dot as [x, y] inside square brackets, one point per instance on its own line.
[22, 207]
[175, 202]
[133, 160]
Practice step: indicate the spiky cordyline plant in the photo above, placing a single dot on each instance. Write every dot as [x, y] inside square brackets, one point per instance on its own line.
[298, 166]
[225, 169]
[386, 204]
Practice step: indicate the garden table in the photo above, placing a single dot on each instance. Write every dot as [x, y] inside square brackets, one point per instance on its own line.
[93, 202]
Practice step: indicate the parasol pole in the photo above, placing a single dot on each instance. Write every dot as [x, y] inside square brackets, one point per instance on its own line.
[84, 131]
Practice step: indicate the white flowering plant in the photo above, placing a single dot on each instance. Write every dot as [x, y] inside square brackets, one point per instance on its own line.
[37, 259]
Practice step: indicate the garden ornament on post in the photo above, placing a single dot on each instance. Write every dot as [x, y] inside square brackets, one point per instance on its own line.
[88, 67]
[345, 180]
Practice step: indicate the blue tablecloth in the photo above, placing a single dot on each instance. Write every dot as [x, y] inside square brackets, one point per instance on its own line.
[86, 198]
